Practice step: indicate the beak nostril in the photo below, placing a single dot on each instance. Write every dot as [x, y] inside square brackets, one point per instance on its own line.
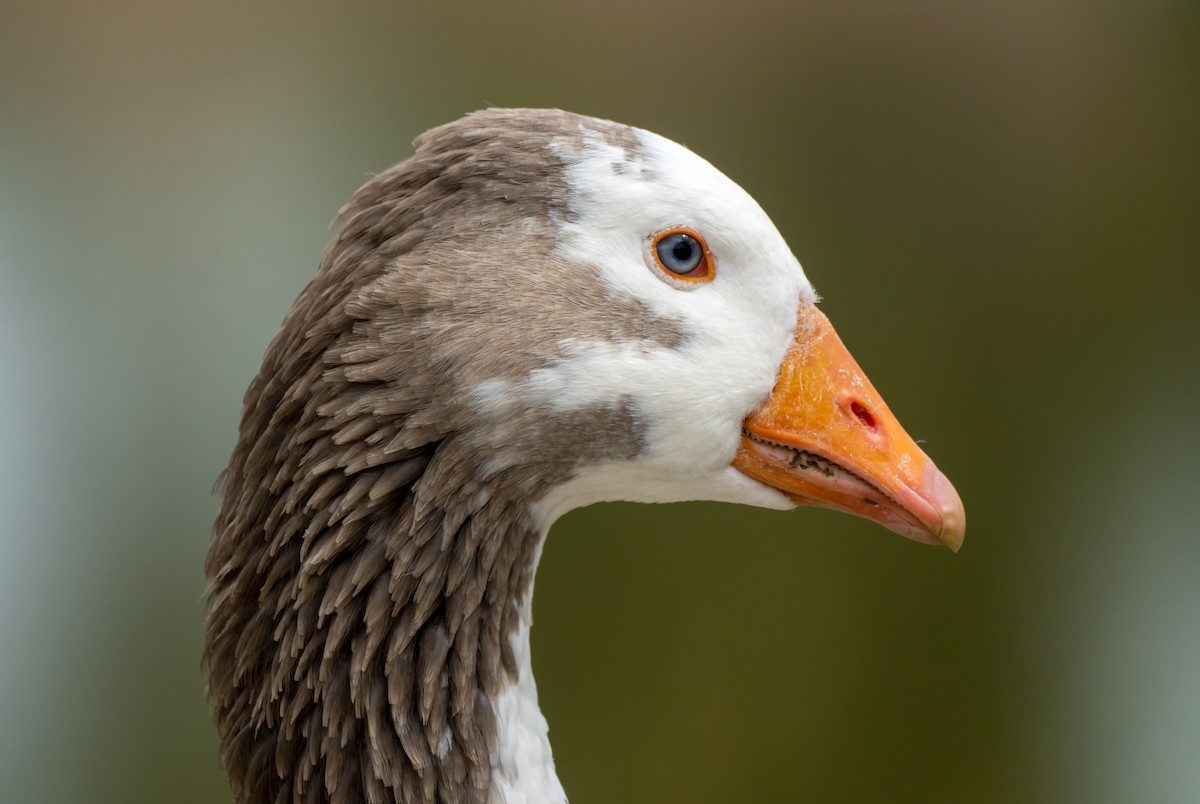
[864, 415]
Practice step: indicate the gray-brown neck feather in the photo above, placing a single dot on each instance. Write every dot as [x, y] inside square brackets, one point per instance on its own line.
[367, 565]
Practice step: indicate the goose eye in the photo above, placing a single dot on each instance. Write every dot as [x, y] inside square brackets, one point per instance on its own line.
[683, 254]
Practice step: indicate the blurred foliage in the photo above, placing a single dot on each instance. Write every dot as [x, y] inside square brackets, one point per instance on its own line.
[999, 202]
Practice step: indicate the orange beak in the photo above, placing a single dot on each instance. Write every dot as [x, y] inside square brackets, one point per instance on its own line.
[825, 437]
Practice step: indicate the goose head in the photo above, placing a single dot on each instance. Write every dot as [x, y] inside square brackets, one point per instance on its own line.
[536, 312]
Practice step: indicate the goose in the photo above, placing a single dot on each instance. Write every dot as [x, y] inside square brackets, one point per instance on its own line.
[535, 312]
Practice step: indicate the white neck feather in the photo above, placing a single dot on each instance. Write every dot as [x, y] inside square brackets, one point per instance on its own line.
[523, 765]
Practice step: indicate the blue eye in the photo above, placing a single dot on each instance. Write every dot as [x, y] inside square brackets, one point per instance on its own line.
[682, 253]
[679, 253]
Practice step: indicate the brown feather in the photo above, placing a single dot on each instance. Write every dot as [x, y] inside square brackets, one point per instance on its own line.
[365, 567]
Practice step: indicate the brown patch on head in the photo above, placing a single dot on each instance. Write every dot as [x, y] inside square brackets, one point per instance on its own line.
[365, 574]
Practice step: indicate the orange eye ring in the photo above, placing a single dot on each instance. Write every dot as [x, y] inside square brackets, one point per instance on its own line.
[682, 254]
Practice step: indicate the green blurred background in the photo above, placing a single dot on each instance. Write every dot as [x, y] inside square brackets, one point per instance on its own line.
[999, 202]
